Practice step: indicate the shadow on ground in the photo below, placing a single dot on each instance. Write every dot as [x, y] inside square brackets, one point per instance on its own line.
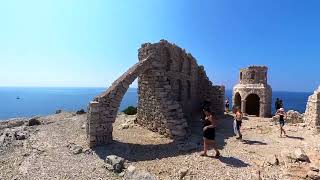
[249, 142]
[295, 137]
[145, 152]
[233, 162]
[139, 152]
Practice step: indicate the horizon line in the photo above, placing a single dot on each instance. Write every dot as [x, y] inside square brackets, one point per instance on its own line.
[129, 88]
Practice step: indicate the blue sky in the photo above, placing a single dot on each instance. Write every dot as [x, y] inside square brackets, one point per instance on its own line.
[90, 43]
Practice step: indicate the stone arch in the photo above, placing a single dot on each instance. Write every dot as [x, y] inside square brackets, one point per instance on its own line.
[103, 110]
[237, 100]
[253, 104]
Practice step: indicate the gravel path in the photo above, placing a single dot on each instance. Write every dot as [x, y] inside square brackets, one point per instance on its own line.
[57, 149]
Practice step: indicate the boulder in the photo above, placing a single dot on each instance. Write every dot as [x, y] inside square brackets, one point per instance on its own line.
[58, 111]
[313, 175]
[75, 149]
[183, 172]
[300, 155]
[20, 135]
[81, 111]
[315, 166]
[34, 121]
[294, 117]
[273, 161]
[131, 169]
[115, 163]
[124, 126]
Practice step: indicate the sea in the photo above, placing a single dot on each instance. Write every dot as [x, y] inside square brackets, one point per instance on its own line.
[38, 101]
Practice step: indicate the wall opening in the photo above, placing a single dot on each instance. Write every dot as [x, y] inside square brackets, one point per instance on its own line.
[240, 76]
[237, 101]
[253, 105]
[253, 75]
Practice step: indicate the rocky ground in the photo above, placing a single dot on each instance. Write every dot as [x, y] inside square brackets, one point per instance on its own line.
[54, 147]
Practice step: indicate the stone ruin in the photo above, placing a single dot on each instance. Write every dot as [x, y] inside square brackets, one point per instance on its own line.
[171, 87]
[312, 114]
[253, 95]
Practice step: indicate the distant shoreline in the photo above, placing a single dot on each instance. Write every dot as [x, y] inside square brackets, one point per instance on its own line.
[43, 101]
[82, 87]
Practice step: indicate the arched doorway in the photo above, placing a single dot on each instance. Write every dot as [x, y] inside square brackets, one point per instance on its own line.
[237, 100]
[253, 105]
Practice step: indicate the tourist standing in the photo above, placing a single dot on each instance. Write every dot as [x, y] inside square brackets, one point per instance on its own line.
[277, 104]
[282, 116]
[237, 123]
[209, 133]
[227, 104]
[281, 103]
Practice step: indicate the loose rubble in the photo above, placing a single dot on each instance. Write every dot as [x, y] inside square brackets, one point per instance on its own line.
[80, 112]
[115, 163]
[293, 117]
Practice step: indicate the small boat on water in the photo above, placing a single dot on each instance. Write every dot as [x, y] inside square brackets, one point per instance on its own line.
[18, 97]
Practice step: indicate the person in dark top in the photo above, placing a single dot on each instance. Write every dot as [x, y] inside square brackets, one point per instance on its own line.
[277, 104]
[282, 116]
[227, 104]
[281, 104]
[238, 119]
[209, 133]
[205, 105]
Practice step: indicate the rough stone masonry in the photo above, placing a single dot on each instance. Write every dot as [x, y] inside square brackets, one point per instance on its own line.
[253, 95]
[312, 114]
[171, 87]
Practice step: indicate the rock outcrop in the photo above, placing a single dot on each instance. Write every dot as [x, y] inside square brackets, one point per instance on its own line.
[34, 121]
[293, 117]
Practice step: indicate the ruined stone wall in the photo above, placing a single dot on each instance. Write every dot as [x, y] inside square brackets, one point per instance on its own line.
[169, 91]
[207, 91]
[254, 75]
[312, 114]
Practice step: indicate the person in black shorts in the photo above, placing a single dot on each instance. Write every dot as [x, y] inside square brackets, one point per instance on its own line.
[277, 104]
[238, 119]
[227, 104]
[282, 116]
[209, 133]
